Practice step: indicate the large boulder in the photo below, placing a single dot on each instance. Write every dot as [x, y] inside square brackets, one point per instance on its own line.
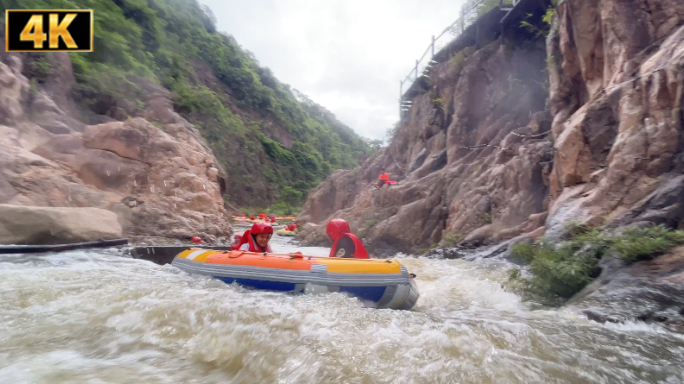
[56, 225]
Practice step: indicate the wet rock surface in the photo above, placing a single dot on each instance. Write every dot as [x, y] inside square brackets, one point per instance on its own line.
[56, 225]
[650, 291]
[616, 100]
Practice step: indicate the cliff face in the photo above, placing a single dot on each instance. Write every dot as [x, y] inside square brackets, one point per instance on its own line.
[617, 87]
[154, 172]
[475, 162]
[471, 158]
[616, 96]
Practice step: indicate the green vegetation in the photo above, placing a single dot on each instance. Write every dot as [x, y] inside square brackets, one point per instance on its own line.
[561, 270]
[547, 19]
[278, 209]
[241, 109]
[450, 240]
[40, 68]
[438, 102]
[457, 60]
[487, 218]
[640, 244]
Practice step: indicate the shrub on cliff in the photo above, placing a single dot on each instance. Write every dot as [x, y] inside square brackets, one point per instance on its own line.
[558, 271]
[643, 244]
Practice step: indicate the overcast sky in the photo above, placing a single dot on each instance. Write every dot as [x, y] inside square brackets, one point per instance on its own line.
[347, 55]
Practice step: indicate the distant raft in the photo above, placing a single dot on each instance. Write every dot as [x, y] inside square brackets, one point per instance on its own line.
[243, 220]
[284, 232]
[380, 283]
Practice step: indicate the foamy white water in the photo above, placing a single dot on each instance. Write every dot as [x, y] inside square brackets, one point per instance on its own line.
[98, 317]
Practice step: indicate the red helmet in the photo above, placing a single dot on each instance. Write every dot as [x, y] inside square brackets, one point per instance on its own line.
[258, 228]
[336, 228]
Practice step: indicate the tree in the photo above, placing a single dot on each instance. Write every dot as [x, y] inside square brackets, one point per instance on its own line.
[375, 144]
[291, 196]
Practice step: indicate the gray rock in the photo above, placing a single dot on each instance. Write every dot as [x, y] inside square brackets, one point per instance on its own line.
[56, 225]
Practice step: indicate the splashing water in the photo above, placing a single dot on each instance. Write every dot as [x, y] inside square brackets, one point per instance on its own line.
[100, 317]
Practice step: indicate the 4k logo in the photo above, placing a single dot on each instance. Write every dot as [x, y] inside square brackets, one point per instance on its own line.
[40, 30]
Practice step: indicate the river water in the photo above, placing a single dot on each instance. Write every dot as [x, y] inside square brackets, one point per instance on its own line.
[98, 317]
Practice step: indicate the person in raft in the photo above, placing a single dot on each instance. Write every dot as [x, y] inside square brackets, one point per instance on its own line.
[256, 239]
[383, 178]
[345, 243]
[235, 245]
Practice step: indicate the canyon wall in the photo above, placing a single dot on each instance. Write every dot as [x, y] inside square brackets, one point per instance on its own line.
[514, 139]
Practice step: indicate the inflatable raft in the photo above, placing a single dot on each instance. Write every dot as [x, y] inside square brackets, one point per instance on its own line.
[381, 283]
[283, 232]
[254, 221]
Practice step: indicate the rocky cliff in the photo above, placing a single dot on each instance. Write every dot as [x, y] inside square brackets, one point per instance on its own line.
[514, 140]
[472, 158]
[522, 135]
[617, 87]
[153, 174]
[616, 97]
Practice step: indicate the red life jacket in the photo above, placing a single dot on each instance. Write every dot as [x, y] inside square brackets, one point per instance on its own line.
[359, 252]
[245, 238]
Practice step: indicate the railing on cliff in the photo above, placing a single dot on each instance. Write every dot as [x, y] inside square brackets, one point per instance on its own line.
[448, 35]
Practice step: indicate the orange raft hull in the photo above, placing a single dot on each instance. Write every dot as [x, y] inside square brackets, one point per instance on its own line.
[381, 283]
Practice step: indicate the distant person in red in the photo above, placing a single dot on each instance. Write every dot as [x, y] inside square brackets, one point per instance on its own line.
[273, 218]
[383, 178]
[244, 216]
[252, 217]
[345, 243]
[257, 238]
[235, 245]
[262, 215]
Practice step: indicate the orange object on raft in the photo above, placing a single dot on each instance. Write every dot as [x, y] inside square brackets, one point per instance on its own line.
[384, 283]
